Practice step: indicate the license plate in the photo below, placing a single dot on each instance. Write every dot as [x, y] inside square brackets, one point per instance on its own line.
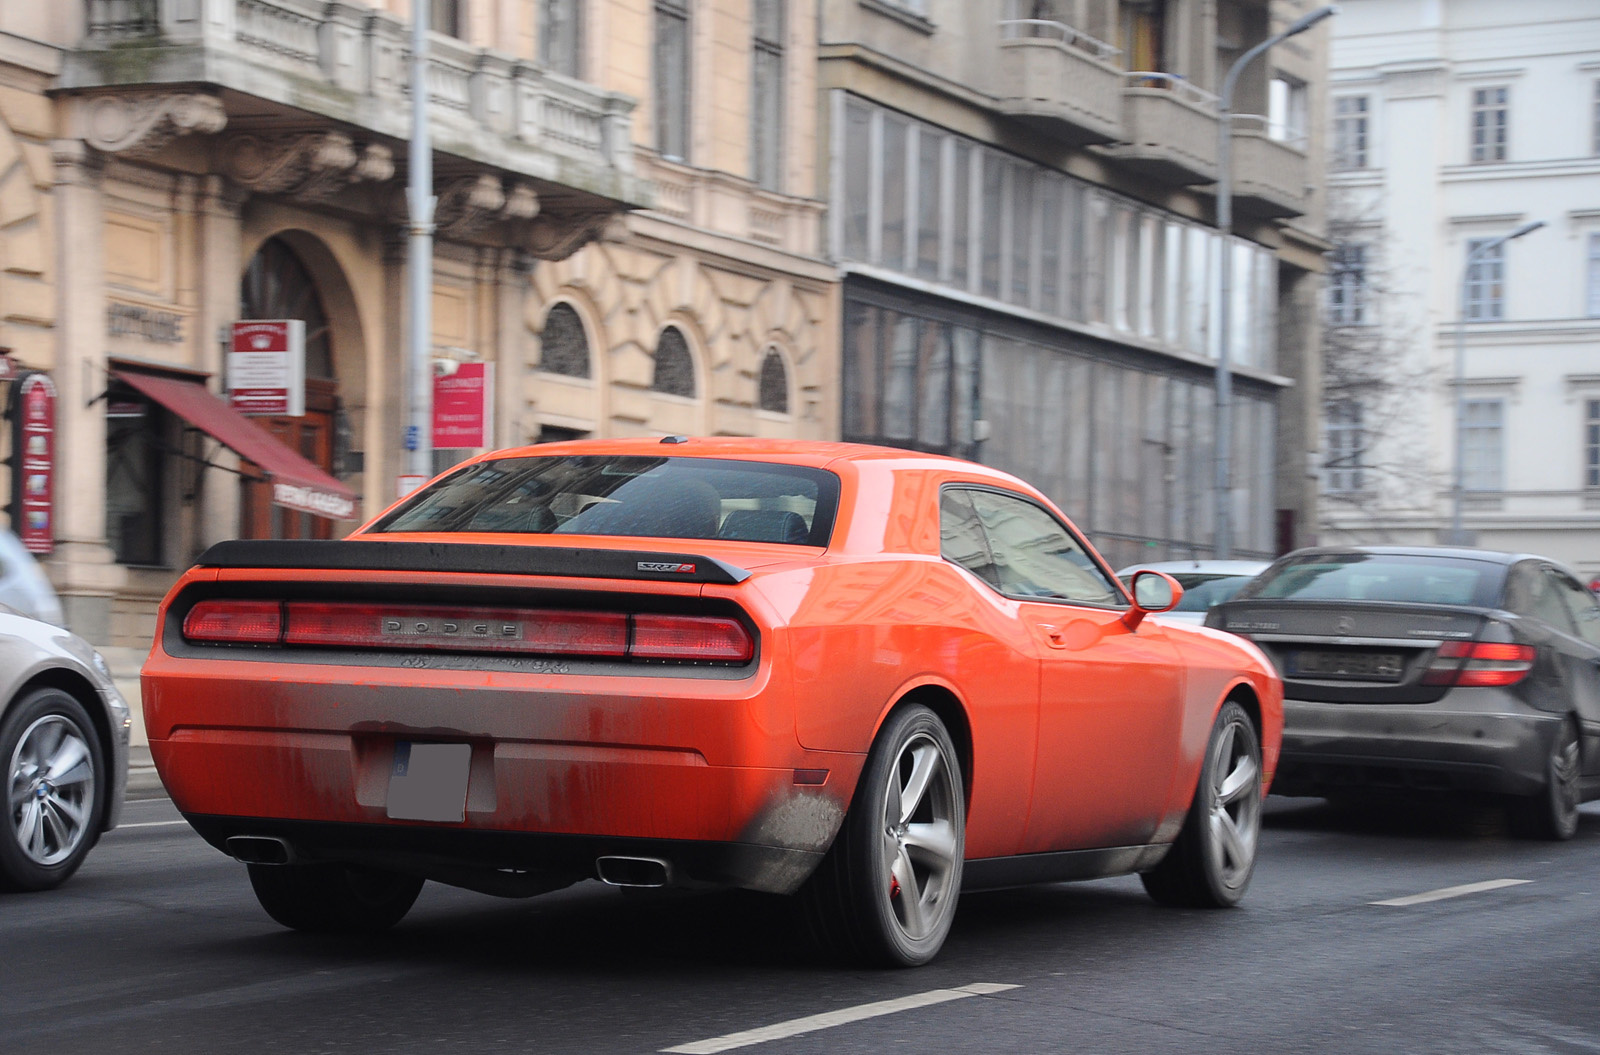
[429, 782]
[1358, 666]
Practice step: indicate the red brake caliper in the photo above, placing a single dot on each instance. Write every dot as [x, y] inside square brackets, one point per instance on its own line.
[894, 887]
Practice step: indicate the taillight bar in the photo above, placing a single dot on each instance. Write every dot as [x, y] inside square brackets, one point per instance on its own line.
[1479, 663]
[341, 624]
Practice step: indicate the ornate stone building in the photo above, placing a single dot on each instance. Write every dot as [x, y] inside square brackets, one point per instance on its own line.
[168, 167]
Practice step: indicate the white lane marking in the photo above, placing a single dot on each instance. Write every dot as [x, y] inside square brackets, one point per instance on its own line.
[1450, 892]
[149, 824]
[796, 1026]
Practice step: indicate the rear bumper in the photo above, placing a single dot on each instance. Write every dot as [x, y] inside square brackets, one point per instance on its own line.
[515, 862]
[1484, 741]
[543, 806]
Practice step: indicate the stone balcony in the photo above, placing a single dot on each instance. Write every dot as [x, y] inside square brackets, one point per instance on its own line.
[727, 204]
[1269, 175]
[259, 63]
[1169, 129]
[1060, 81]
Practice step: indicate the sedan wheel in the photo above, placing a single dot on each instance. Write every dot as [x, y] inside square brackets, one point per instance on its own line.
[1553, 812]
[1210, 864]
[53, 813]
[887, 891]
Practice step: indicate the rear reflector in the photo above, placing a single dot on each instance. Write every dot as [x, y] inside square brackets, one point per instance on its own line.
[235, 622]
[432, 628]
[1479, 663]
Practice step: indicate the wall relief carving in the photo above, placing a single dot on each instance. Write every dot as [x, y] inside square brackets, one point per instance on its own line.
[308, 166]
[137, 125]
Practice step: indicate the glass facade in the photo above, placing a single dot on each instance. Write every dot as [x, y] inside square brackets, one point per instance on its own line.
[1122, 445]
[916, 199]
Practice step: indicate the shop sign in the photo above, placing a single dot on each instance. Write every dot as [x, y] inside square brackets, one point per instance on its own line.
[35, 439]
[136, 320]
[267, 368]
[463, 406]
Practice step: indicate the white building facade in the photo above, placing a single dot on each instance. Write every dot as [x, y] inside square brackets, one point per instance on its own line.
[1452, 123]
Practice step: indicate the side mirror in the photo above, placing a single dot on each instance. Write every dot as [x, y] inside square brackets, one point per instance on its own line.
[1153, 591]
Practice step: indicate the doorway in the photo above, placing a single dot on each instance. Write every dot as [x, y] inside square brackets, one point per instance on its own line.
[278, 285]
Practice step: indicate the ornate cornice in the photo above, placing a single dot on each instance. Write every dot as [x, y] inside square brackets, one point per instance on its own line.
[310, 166]
[139, 125]
[469, 204]
[556, 237]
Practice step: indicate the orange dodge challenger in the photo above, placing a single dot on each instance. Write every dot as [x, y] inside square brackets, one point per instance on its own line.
[865, 676]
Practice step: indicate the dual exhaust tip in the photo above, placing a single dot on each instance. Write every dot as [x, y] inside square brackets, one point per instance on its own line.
[612, 870]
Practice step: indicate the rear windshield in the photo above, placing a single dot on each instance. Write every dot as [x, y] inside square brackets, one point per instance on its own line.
[694, 498]
[1409, 578]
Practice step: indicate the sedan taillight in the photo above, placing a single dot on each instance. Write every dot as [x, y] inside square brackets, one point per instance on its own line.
[527, 631]
[1479, 663]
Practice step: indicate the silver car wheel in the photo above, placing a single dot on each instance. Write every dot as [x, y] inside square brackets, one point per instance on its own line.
[52, 789]
[1234, 822]
[920, 846]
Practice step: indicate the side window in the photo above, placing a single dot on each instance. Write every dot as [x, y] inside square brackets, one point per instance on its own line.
[961, 538]
[1035, 556]
[1530, 592]
[1581, 604]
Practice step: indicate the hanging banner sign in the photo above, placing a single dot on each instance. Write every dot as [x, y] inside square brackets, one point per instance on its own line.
[34, 481]
[267, 368]
[463, 406]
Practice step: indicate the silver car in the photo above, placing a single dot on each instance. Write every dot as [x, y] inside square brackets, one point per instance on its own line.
[23, 585]
[64, 741]
[1206, 583]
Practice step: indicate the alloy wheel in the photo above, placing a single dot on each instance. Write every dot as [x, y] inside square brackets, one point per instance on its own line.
[52, 789]
[920, 846]
[1234, 822]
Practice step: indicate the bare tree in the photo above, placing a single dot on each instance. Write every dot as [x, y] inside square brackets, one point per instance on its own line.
[1373, 380]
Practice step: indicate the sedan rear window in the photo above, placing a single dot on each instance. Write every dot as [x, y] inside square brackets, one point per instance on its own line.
[694, 498]
[1409, 578]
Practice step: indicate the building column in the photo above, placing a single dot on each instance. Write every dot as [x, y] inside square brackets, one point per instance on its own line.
[218, 248]
[513, 282]
[86, 574]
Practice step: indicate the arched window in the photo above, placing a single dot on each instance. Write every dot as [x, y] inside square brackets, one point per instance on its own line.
[564, 347]
[774, 386]
[674, 373]
[277, 285]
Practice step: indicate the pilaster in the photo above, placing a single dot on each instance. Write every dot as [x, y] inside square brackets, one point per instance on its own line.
[86, 574]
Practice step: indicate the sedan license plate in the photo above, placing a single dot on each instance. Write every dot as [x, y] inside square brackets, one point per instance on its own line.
[429, 782]
[1355, 666]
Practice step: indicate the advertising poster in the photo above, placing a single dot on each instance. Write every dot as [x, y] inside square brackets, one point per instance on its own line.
[33, 505]
[267, 368]
[463, 404]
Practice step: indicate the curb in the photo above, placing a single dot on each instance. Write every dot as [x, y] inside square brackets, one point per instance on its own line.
[143, 781]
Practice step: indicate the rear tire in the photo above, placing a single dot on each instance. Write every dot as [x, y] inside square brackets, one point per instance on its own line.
[55, 801]
[1210, 864]
[886, 892]
[1553, 813]
[333, 898]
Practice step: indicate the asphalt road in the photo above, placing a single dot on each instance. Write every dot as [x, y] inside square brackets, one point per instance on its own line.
[158, 946]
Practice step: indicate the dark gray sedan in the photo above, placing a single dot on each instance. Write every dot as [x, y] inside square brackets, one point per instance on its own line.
[1432, 669]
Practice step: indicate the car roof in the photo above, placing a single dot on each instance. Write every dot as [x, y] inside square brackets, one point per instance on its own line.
[814, 453]
[1458, 552]
[1215, 567]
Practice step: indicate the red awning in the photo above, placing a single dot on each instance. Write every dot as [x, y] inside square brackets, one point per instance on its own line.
[296, 483]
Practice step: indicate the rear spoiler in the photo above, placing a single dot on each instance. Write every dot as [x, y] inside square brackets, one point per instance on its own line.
[360, 555]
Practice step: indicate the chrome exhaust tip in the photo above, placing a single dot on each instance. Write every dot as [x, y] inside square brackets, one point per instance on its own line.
[633, 871]
[259, 850]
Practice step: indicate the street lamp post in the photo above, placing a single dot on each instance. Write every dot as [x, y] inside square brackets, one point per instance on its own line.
[1458, 536]
[417, 439]
[1224, 408]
